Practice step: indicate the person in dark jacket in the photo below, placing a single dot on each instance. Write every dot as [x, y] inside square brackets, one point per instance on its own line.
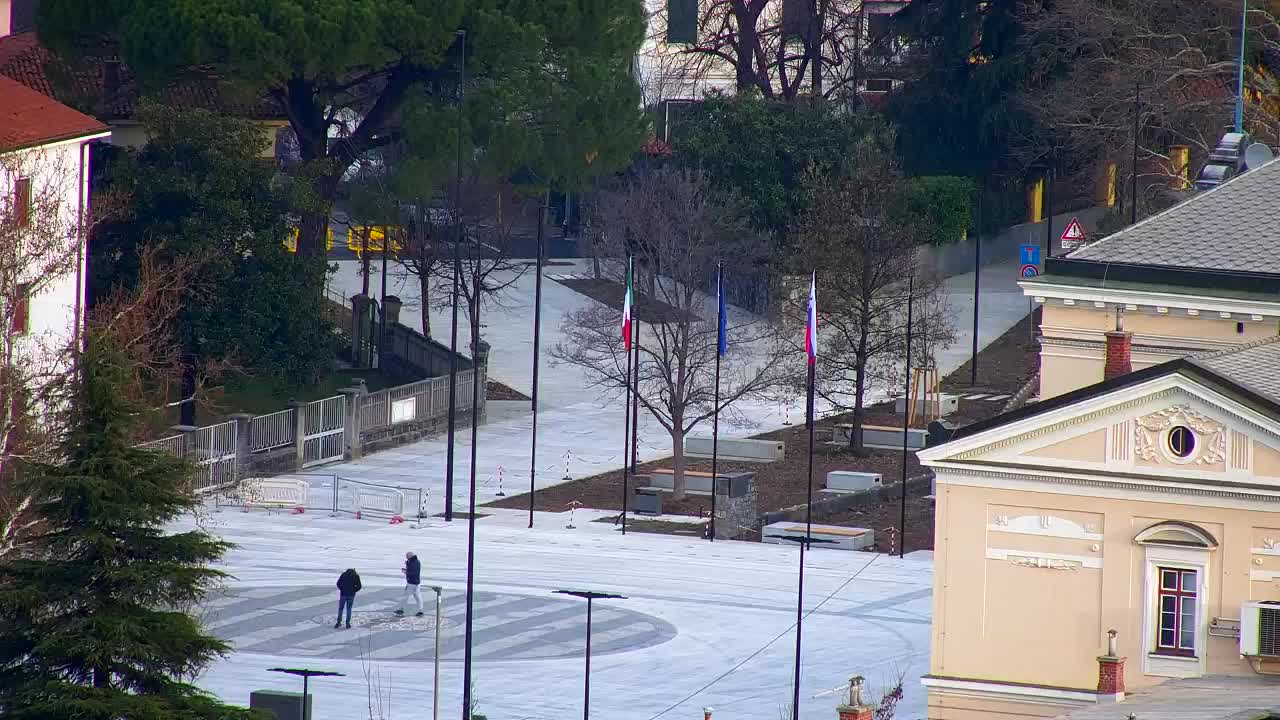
[348, 586]
[412, 578]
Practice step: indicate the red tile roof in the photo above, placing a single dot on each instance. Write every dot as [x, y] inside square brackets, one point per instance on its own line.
[28, 118]
[83, 84]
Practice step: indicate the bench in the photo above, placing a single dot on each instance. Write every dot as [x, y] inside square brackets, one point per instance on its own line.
[695, 483]
[948, 404]
[275, 493]
[851, 481]
[742, 449]
[844, 538]
[885, 437]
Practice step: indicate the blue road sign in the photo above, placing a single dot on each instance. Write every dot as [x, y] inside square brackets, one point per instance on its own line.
[1029, 271]
[1030, 254]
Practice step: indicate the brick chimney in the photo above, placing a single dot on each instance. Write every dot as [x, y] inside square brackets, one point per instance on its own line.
[706, 713]
[1111, 672]
[1119, 358]
[855, 708]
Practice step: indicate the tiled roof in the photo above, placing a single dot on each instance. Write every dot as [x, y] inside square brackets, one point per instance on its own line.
[1255, 366]
[84, 85]
[28, 118]
[1235, 227]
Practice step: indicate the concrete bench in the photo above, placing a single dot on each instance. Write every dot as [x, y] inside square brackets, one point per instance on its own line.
[885, 437]
[844, 538]
[694, 483]
[949, 404]
[275, 493]
[743, 449]
[851, 481]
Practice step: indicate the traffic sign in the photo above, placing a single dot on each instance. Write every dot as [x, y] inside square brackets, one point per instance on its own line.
[1030, 271]
[1030, 254]
[1073, 236]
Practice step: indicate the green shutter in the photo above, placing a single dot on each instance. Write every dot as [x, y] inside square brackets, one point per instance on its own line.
[682, 21]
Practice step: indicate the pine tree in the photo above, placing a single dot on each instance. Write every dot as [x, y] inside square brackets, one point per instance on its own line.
[92, 610]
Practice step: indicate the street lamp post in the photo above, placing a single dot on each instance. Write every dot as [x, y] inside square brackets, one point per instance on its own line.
[306, 675]
[802, 541]
[589, 596]
[435, 679]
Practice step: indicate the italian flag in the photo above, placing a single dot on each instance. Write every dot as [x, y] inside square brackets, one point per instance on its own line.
[626, 311]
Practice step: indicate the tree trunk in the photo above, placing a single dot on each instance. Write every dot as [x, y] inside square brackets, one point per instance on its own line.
[423, 288]
[677, 464]
[859, 394]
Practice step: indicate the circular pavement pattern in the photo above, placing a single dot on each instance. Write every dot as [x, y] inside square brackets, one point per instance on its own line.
[294, 620]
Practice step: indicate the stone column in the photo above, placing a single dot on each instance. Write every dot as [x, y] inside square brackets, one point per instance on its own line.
[351, 423]
[359, 329]
[299, 432]
[391, 309]
[243, 449]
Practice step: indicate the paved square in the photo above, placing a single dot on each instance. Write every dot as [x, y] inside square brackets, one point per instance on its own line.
[707, 623]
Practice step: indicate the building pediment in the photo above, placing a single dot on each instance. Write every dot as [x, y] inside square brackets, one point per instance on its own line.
[1170, 429]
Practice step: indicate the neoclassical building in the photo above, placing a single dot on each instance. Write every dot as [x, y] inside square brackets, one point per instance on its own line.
[1116, 534]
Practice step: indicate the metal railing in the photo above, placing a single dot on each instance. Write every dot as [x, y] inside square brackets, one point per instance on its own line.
[324, 425]
[267, 432]
[171, 445]
[415, 402]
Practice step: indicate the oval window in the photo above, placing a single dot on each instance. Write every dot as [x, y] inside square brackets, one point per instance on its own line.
[1182, 442]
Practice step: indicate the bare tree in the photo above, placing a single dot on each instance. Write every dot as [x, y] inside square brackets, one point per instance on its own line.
[490, 214]
[677, 231]
[1172, 63]
[865, 251]
[779, 48]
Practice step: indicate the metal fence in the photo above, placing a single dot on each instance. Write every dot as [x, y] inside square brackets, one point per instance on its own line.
[324, 425]
[415, 402]
[212, 449]
[267, 432]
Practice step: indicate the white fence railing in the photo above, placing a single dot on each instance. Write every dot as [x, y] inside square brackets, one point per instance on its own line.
[268, 432]
[218, 450]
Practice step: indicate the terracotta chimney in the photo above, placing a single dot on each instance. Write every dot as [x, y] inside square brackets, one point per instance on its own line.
[855, 708]
[706, 713]
[1119, 358]
[1111, 672]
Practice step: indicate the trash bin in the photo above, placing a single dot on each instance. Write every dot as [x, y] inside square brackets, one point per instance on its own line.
[648, 501]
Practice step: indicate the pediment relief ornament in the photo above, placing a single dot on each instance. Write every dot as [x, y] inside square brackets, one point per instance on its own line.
[1149, 429]
[1043, 563]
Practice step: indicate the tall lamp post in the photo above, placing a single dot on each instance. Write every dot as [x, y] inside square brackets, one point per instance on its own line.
[457, 272]
[802, 541]
[306, 676]
[589, 596]
[435, 677]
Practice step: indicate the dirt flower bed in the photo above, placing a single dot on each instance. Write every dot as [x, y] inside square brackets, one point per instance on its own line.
[610, 293]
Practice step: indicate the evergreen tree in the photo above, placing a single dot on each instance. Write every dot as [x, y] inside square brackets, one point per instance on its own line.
[92, 609]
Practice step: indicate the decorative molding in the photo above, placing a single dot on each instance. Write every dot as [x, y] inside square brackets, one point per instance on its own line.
[1044, 560]
[1119, 442]
[1137, 347]
[986, 689]
[1241, 451]
[1004, 479]
[1211, 451]
[1043, 526]
[1263, 575]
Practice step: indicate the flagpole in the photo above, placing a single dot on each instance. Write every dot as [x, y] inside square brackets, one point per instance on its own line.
[626, 407]
[715, 409]
[635, 401]
[811, 352]
[906, 415]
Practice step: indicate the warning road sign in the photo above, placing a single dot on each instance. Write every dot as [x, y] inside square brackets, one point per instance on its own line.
[1073, 236]
[1030, 271]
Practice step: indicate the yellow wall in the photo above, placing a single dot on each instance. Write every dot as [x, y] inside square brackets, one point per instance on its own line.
[999, 621]
[1067, 368]
[131, 135]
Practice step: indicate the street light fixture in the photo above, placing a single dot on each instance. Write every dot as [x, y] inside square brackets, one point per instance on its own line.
[802, 541]
[589, 595]
[306, 676]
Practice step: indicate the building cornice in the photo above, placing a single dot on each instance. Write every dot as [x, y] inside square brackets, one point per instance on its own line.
[1147, 300]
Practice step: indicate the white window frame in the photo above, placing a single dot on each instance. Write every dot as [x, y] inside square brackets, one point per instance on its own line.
[1181, 558]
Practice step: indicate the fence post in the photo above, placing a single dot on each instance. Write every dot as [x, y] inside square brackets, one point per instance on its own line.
[359, 329]
[299, 409]
[243, 447]
[351, 423]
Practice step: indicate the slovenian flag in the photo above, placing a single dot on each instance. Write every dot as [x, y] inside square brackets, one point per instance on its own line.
[722, 331]
[626, 311]
[811, 322]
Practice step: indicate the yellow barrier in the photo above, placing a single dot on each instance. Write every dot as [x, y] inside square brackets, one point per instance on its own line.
[291, 242]
[377, 234]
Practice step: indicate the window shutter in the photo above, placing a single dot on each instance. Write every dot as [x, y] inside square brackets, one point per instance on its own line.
[21, 322]
[22, 201]
[682, 21]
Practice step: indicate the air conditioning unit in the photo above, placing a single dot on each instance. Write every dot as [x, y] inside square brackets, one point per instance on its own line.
[1260, 629]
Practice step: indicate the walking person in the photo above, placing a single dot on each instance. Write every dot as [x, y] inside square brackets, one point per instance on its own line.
[348, 586]
[412, 578]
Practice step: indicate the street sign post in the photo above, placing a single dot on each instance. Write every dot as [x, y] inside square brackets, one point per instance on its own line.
[1030, 271]
[1029, 254]
[1073, 236]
